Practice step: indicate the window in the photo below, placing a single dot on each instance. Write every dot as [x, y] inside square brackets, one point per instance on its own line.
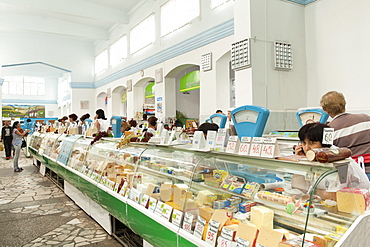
[142, 35]
[118, 51]
[178, 13]
[218, 3]
[23, 85]
[101, 62]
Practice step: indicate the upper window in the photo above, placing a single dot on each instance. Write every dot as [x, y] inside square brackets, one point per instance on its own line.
[178, 13]
[23, 85]
[218, 3]
[101, 62]
[143, 34]
[118, 51]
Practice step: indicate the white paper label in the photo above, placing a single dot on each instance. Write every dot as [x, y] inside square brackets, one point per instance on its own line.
[176, 217]
[159, 208]
[212, 232]
[171, 136]
[268, 150]
[240, 242]
[198, 140]
[144, 200]
[152, 204]
[220, 139]
[188, 222]
[256, 149]
[328, 136]
[166, 211]
[227, 234]
[199, 227]
[223, 242]
[211, 139]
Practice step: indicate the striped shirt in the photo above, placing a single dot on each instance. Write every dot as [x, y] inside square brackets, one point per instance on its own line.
[352, 131]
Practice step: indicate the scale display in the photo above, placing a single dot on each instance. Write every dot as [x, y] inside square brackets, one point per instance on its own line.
[311, 115]
[116, 123]
[250, 120]
[219, 119]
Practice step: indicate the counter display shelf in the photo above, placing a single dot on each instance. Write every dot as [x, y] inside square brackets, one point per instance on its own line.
[55, 150]
[50, 144]
[175, 197]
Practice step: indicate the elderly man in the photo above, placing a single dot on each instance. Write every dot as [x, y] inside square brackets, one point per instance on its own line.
[350, 130]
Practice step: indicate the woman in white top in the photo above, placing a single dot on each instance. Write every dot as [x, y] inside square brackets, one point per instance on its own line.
[101, 123]
[152, 125]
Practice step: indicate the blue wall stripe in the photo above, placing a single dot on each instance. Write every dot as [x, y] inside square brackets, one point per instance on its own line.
[216, 33]
[303, 2]
[29, 101]
[82, 85]
[31, 63]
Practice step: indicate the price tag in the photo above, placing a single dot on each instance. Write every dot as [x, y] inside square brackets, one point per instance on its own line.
[240, 242]
[152, 204]
[259, 245]
[211, 139]
[256, 147]
[245, 144]
[228, 234]
[199, 227]
[159, 208]
[222, 242]
[123, 190]
[144, 200]
[172, 136]
[328, 136]
[115, 189]
[188, 222]
[166, 211]
[233, 144]
[135, 195]
[220, 139]
[164, 136]
[198, 140]
[176, 217]
[212, 232]
[270, 148]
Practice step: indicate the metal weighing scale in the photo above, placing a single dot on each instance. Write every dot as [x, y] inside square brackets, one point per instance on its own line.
[219, 119]
[311, 115]
[250, 120]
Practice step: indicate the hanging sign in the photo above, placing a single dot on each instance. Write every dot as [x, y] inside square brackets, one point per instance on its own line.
[149, 90]
[190, 81]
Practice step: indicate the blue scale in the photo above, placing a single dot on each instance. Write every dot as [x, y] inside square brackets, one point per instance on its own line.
[311, 115]
[219, 119]
[250, 120]
[116, 122]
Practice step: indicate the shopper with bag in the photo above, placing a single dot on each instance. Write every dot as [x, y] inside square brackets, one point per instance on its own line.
[18, 134]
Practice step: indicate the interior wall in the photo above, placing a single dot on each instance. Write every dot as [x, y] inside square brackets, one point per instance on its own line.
[337, 48]
[77, 56]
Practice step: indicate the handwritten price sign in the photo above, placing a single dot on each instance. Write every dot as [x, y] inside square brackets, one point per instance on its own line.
[212, 231]
[268, 147]
[188, 221]
[256, 149]
[222, 242]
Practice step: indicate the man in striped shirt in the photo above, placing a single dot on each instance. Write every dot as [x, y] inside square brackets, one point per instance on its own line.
[350, 130]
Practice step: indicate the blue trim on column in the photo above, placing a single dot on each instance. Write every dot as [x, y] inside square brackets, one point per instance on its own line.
[89, 85]
[216, 33]
[303, 2]
[29, 101]
[67, 97]
[1, 81]
[31, 63]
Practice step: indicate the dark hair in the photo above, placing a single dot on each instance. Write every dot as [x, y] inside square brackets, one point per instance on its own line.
[100, 113]
[73, 116]
[132, 123]
[207, 126]
[313, 132]
[145, 117]
[15, 124]
[64, 118]
[84, 117]
[152, 121]
[219, 111]
[28, 120]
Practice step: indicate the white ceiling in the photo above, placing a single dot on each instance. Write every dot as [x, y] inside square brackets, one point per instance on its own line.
[87, 19]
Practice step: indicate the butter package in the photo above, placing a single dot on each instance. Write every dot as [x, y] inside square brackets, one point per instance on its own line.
[250, 189]
[245, 207]
[236, 187]
[297, 242]
[320, 241]
[221, 204]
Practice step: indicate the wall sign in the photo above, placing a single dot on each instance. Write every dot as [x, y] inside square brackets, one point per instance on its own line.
[190, 81]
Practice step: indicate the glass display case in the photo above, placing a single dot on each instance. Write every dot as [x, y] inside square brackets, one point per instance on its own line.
[79, 153]
[55, 149]
[50, 143]
[36, 140]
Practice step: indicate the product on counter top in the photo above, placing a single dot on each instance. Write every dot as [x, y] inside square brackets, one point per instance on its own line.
[325, 155]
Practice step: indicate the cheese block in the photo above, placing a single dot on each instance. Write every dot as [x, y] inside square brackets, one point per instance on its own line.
[206, 213]
[151, 188]
[179, 192]
[202, 196]
[351, 200]
[166, 192]
[187, 203]
[271, 237]
[220, 216]
[229, 232]
[262, 217]
[247, 232]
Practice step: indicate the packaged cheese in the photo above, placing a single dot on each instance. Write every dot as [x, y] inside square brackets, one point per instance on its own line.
[297, 242]
[352, 200]
[247, 232]
[202, 196]
[262, 217]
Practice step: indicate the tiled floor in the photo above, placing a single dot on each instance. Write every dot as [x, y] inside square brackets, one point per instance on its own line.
[34, 212]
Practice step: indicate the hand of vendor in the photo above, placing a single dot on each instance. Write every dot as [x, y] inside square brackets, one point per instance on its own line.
[298, 150]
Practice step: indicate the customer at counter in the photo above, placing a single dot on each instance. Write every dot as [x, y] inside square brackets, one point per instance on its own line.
[152, 125]
[350, 130]
[311, 136]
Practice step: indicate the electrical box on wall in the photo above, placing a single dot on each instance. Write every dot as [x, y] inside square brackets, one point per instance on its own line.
[283, 55]
[240, 55]
[206, 61]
